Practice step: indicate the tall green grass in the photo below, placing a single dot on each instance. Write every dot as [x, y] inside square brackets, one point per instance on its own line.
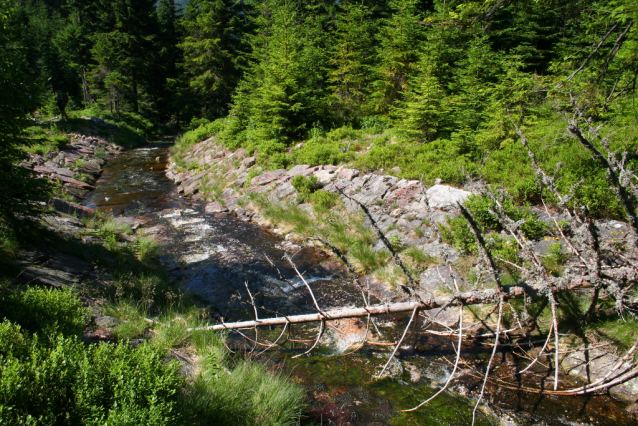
[247, 395]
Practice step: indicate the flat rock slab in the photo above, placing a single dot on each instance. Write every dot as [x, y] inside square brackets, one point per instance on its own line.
[105, 321]
[215, 207]
[445, 317]
[437, 280]
[70, 208]
[74, 182]
[56, 269]
[325, 176]
[298, 170]
[133, 222]
[267, 177]
[445, 197]
[377, 289]
[347, 174]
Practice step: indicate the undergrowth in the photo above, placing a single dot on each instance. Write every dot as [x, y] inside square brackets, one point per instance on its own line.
[51, 377]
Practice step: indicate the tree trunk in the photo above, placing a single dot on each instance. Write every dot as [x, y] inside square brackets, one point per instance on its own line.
[467, 298]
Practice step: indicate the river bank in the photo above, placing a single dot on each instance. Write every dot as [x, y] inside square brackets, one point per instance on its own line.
[208, 250]
[405, 211]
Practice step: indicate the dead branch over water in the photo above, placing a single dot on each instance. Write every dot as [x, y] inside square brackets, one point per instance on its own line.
[464, 298]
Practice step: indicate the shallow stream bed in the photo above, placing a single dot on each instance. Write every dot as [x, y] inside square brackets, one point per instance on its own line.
[219, 257]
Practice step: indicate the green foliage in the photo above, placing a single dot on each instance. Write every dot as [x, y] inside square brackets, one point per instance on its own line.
[265, 399]
[147, 249]
[212, 49]
[314, 153]
[503, 248]
[480, 206]
[323, 200]
[396, 242]
[448, 160]
[187, 140]
[19, 194]
[365, 259]
[49, 311]
[555, 258]
[132, 318]
[458, 234]
[306, 185]
[418, 261]
[68, 383]
[352, 62]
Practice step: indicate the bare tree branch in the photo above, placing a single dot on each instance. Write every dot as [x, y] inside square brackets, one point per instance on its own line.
[591, 55]
[407, 327]
[489, 364]
[456, 364]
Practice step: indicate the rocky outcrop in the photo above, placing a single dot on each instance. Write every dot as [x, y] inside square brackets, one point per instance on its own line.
[75, 167]
[445, 197]
[405, 210]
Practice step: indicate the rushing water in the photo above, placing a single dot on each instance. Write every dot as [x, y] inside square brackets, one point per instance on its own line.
[220, 257]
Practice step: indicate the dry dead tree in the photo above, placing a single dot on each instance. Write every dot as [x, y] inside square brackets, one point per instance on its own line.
[474, 297]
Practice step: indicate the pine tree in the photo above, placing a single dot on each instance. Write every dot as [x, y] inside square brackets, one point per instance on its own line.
[284, 90]
[125, 54]
[169, 56]
[351, 61]
[401, 37]
[423, 114]
[213, 48]
[19, 192]
[75, 48]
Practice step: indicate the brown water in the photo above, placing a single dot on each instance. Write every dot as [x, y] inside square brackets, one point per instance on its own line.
[216, 256]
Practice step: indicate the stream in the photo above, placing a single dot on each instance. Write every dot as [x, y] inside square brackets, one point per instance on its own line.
[219, 257]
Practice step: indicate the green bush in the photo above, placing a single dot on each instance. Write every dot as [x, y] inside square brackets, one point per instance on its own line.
[480, 206]
[49, 311]
[503, 248]
[316, 153]
[306, 185]
[68, 383]
[323, 200]
[458, 234]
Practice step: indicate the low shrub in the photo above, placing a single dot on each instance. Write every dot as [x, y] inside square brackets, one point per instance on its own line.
[323, 200]
[458, 233]
[316, 153]
[69, 383]
[306, 185]
[49, 311]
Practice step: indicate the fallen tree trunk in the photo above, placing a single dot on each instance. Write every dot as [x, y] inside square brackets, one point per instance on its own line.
[466, 298]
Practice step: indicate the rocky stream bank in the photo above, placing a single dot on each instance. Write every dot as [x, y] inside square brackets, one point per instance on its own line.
[406, 211]
[214, 241]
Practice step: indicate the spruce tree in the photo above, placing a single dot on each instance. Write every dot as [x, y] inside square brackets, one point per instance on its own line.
[213, 48]
[351, 61]
[400, 37]
[284, 89]
[19, 192]
[125, 53]
[424, 112]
